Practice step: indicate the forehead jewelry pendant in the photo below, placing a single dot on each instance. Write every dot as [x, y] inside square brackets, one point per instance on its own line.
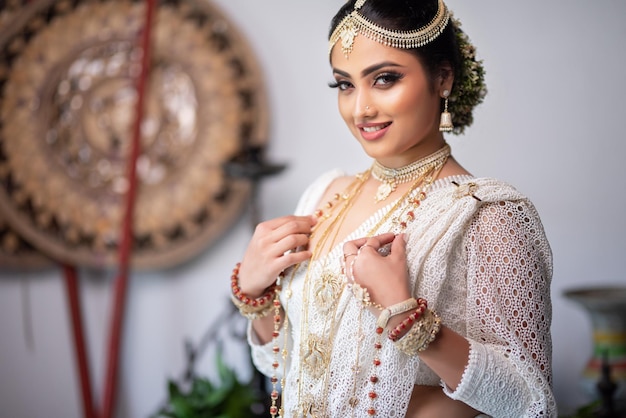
[355, 23]
[347, 35]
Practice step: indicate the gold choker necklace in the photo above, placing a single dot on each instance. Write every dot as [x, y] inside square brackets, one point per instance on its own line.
[391, 177]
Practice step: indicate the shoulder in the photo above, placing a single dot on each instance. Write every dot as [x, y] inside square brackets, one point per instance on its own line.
[494, 196]
[468, 194]
[327, 183]
[506, 212]
[482, 200]
[487, 189]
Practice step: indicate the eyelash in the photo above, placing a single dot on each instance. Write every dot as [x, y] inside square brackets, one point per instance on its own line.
[388, 78]
[337, 85]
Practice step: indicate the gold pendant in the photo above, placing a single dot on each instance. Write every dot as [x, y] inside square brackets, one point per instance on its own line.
[327, 291]
[316, 359]
[308, 408]
[361, 294]
[384, 190]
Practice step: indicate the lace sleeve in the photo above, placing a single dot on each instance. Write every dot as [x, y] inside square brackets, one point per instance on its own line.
[263, 354]
[508, 313]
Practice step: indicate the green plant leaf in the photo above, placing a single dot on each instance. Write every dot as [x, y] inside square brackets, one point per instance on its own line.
[204, 399]
[173, 389]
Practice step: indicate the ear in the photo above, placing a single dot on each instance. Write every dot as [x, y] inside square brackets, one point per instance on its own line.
[445, 79]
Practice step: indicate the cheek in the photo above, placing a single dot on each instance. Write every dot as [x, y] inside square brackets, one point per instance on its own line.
[422, 106]
[345, 109]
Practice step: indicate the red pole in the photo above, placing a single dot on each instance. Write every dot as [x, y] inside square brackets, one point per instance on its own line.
[71, 283]
[121, 282]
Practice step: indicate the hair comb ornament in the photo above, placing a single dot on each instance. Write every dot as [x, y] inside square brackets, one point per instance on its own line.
[355, 23]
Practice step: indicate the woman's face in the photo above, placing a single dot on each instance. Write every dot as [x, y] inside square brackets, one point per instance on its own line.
[387, 102]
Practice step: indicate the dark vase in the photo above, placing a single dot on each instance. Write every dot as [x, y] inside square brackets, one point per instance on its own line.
[606, 307]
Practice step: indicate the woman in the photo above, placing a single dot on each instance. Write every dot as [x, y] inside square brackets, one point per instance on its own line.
[411, 289]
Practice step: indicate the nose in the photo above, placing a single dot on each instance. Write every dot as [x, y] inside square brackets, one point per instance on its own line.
[362, 106]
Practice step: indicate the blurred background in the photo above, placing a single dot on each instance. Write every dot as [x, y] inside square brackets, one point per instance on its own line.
[550, 125]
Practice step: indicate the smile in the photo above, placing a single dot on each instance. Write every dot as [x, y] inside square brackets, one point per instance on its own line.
[375, 128]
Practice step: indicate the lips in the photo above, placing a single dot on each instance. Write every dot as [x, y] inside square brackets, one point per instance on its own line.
[371, 131]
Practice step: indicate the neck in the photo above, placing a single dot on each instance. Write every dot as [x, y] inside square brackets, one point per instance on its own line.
[414, 158]
[422, 150]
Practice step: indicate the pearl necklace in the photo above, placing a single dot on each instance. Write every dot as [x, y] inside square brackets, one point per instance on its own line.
[391, 177]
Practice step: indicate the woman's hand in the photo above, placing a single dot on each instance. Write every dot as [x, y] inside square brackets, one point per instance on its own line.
[385, 276]
[275, 245]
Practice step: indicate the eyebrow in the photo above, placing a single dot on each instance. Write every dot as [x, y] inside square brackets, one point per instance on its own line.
[367, 71]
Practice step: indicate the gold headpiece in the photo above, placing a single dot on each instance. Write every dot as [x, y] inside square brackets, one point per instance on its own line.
[356, 23]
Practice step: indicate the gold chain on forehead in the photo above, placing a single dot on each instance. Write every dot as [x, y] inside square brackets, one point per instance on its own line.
[355, 23]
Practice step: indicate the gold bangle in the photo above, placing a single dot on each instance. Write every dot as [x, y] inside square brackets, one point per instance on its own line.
[249, 312]
[421, 334]
[429, 336]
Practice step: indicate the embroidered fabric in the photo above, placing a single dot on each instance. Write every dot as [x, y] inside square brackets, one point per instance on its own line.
[484, 265]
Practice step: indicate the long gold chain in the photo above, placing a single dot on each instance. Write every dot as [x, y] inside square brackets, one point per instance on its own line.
[348, 195]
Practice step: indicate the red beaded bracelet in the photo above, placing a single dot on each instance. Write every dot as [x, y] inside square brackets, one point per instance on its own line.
[408, 322]
[250, 307]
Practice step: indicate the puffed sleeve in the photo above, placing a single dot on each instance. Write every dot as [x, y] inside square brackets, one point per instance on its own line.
[508, 313]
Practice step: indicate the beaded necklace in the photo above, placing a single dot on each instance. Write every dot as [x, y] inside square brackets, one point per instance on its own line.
[399, 223]
[391, 177]
[315, 350]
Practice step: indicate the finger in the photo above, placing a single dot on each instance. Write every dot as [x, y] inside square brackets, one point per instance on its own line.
[278, 226]
[289, 228]
[290, 242]
[293, 225]
[359, 242]
[345, 260]
[277, 222]
[374, 243]
[386, 238]
[350, 247]
[398, 247]
[290, 259]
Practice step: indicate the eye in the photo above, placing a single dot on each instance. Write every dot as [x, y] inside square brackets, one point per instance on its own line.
[387, 79]
[340, 84]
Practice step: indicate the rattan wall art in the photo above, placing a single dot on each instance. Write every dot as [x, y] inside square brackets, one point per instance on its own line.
[67, 71]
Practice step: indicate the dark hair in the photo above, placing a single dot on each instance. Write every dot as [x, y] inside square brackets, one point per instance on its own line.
[447, 49]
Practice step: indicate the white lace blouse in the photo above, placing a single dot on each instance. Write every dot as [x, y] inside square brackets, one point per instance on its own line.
[482, 262]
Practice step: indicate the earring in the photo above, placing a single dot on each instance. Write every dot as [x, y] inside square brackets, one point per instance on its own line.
[445, 124]
[367, 108]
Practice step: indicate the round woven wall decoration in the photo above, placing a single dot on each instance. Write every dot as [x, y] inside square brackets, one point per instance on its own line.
[18, 254]
[68, 73]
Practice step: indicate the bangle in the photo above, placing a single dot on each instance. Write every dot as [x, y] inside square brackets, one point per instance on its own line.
[394, 310]
[394, 334]
[421, 334]
[431, 333]
[251, 308]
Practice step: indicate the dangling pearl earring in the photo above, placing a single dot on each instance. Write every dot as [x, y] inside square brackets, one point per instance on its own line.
[445, 124]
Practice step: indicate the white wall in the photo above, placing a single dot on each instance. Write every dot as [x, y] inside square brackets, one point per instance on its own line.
[550, 125]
